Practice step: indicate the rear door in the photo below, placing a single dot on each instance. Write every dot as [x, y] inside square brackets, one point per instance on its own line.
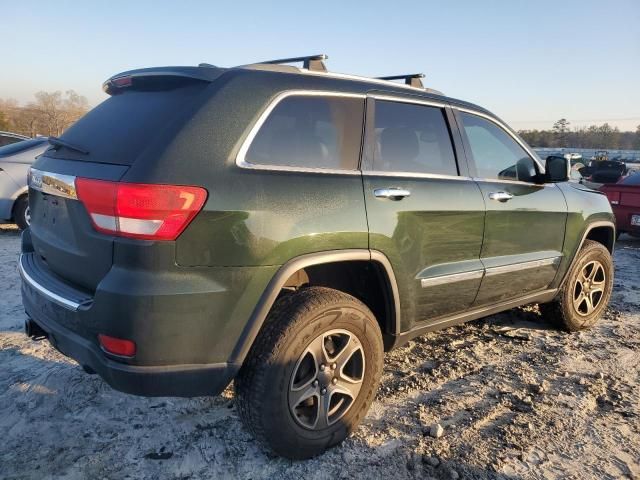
[424, 211]
[525, 221]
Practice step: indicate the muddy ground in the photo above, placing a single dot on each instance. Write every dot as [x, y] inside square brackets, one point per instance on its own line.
[516, 399]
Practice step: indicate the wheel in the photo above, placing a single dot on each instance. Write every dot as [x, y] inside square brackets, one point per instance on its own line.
[586, 291]
[21, 213]
[312, 373]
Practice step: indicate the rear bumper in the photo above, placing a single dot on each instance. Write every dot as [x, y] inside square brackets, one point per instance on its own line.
[72, 320]
[151, 381]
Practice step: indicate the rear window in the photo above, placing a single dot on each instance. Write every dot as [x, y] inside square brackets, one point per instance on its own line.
[311, 132]
[8, 140]
[633, 179]
[21, 146]
[120, 128]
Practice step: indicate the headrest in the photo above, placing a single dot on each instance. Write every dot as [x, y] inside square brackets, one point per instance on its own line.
[398, 144]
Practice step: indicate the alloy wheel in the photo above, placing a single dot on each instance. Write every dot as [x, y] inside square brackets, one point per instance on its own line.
[327, 379]
[589, 288]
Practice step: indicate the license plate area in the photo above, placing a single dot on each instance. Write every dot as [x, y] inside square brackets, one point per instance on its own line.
[635, 220]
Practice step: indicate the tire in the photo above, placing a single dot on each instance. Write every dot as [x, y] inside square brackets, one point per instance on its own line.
[580, 303]
[281, 367]
[21, 212]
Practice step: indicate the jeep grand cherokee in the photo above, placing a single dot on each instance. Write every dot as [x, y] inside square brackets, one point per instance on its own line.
[282, 227]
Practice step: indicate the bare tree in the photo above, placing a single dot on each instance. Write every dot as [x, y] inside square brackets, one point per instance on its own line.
[50, 114]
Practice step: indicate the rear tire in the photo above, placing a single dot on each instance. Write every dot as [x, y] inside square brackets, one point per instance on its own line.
[21, 213]
[312, 373]
[586, 291]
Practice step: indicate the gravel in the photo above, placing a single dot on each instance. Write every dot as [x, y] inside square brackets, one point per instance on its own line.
[514, 397]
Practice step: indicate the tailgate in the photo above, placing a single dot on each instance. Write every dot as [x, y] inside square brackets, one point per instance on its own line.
[630, 198]
[61, 231]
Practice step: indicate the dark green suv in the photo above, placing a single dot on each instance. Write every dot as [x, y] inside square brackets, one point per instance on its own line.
[285, 226]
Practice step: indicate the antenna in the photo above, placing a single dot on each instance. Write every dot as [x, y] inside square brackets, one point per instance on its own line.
[310, 62]
[411, 79]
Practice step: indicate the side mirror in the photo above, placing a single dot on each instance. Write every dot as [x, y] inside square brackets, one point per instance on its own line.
[558, 169]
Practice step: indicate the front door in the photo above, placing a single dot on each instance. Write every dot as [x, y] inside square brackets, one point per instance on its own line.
[525, 221]
[424, 212]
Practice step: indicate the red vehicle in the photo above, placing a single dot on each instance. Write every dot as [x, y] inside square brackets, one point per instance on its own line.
[624, 197]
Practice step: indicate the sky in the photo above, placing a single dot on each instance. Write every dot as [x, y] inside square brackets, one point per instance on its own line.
[530, 62]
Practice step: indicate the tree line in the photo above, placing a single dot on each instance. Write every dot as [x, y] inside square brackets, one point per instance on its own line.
[50, 113]
[595, 136]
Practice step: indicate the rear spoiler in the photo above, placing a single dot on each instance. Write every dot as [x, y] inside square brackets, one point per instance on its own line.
[203, 73]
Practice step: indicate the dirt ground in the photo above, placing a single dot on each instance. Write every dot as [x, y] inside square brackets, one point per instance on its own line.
[515, 397]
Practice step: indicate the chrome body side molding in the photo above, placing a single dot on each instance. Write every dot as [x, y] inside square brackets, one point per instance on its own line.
[454, 277]
[516, 267]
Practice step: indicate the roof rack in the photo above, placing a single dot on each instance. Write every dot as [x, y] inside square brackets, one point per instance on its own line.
[310, 62]
[411, 79]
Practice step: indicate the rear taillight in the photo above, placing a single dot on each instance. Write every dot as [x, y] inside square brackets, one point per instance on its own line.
[136, 210]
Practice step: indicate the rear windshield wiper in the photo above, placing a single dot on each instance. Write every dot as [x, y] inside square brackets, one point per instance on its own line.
[57, 142]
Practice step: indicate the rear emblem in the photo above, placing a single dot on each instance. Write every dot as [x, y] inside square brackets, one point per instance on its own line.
[35, 179]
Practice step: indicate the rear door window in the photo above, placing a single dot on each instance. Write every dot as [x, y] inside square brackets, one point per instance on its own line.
[311, 132]
[412, 138]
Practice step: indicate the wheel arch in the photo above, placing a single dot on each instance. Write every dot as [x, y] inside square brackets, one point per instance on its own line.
[17, 196]
[323, 266]
[601, 231]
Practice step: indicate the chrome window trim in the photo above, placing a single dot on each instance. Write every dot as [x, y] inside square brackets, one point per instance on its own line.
[53, 183]
[513, 182]
[436, 176]
[401, 99]
[454, 277]
[515, 267]
[54, 297]
[246, 144]
[415, 101]
[504, 127]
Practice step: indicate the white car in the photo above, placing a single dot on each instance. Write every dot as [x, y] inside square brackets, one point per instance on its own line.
[15, 160]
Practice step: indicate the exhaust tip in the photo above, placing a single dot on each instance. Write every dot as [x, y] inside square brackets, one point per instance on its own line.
[33, 330]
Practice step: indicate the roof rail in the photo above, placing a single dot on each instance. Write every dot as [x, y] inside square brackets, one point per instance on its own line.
[411, 79]
[310, 62]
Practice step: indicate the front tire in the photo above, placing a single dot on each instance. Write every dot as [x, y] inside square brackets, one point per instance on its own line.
[586, 291]
[21, 213]
[312, 373]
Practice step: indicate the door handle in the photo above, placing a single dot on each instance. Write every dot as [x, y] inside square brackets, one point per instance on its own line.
[500, 196]
[391, 193]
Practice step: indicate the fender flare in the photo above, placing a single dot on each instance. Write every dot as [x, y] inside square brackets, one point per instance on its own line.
[270, 294]
[585, 234]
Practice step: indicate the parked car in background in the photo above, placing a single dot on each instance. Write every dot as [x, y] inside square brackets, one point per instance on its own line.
[7, 138]
[624, 197]
[15, 160]
[601, 172]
